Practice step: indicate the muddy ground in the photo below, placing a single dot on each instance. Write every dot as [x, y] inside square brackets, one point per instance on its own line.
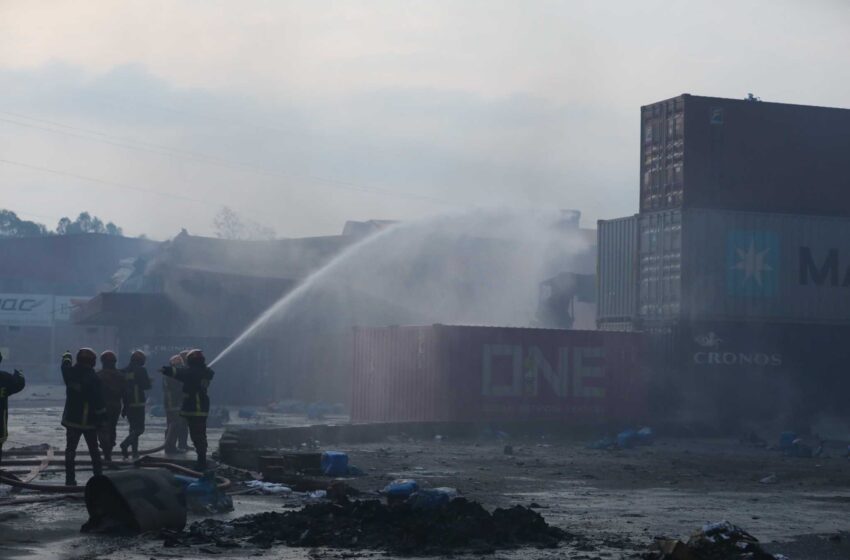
[617, 500]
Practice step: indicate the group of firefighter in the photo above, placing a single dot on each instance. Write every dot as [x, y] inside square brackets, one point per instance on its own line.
[95, 401]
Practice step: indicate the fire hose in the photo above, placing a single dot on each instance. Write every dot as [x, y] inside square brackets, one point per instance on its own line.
[222, 482]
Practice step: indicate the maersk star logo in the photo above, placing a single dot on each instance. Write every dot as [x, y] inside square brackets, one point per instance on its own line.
[753, 263]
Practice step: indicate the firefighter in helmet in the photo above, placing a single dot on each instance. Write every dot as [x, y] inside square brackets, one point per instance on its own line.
[112, 383]
[176, 431]
[136, 382]
[196, 378]
[10, 383]
[84, 409]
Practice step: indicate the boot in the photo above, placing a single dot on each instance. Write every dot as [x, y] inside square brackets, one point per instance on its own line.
[201, 465]
[96, 464]
[124, 452]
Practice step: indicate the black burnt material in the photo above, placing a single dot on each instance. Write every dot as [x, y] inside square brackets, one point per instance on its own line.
[460, 525]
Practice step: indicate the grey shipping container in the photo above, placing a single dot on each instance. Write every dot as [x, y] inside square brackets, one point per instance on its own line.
[746, 155]
[729, 371]
[722, 265]
[617, 266]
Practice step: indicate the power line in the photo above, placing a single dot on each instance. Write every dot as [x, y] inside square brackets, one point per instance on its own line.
[34, 215]
[158, 149]
[106, 183]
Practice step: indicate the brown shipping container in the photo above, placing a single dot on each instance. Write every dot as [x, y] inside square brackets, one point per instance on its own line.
[471, 374]
[733, 154]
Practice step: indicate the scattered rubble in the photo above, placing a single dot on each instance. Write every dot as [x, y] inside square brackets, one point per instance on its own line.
[769, 479]
[459, 525]
[716, 541]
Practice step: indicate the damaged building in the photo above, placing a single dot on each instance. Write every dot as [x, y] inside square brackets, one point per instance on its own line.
[42, 280]
[204, 292]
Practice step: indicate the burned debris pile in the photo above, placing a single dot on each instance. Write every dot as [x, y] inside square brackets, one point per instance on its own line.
[459, 525]
[715, 541]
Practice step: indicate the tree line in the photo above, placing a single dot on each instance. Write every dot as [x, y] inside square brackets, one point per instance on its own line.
[11, 225]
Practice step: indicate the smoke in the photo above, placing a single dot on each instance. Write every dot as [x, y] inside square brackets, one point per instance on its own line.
[482, 267]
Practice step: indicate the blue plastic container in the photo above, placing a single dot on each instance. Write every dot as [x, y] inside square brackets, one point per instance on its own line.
[400, 490]
[627, 439]
[184, 480]
[645, 436]
[335, 463]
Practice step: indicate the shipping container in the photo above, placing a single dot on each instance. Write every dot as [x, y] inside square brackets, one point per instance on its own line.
[701, 265]
[732, 372]
[481, 374]
[617, 326]
[660, 264]
[617, 268]
[748, 155]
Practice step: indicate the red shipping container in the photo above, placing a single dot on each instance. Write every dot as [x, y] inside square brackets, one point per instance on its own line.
[471, 374]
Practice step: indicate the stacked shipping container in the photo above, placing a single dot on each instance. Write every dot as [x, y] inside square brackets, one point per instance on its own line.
[738, 272]
[730, 154]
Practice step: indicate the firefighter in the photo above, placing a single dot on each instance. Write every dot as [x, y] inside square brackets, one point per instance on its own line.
[196, 378]
[176, 431]
[84, 410]
[112, 383]
[136, 382]
[10, 383]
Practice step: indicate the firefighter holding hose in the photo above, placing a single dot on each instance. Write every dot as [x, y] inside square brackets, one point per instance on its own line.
[10, 383]
[196, 378]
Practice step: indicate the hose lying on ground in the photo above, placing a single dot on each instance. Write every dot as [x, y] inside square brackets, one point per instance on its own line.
[222, 482]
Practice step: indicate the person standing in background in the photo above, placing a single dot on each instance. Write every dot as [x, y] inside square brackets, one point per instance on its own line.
[112, 383]
[10, 383]
[136, 382]
[176, 431]
[84, 410]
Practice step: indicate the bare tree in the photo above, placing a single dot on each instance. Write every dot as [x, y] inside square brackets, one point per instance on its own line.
[230, 225]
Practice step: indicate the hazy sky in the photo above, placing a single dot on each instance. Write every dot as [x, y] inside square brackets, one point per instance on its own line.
[154, 114]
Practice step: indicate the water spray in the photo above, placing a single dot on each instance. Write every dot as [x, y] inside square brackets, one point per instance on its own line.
[495, 257]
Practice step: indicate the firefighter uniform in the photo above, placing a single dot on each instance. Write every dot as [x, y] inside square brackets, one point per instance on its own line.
[10, 383]
[176, 431]
[136, 382]
[196, 378]
[112, 383]
[84, 410]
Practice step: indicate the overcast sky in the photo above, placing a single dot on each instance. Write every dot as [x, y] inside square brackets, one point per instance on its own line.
[155, 114]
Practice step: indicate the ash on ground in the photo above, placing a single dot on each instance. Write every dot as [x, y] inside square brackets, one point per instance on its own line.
[459, 526]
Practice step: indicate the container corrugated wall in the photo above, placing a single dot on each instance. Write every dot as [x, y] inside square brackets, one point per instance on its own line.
[732, 154]
[711, 370]
[659, 264]
[398, 375]
[471, 374]
[617, 282]
[771, 267]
